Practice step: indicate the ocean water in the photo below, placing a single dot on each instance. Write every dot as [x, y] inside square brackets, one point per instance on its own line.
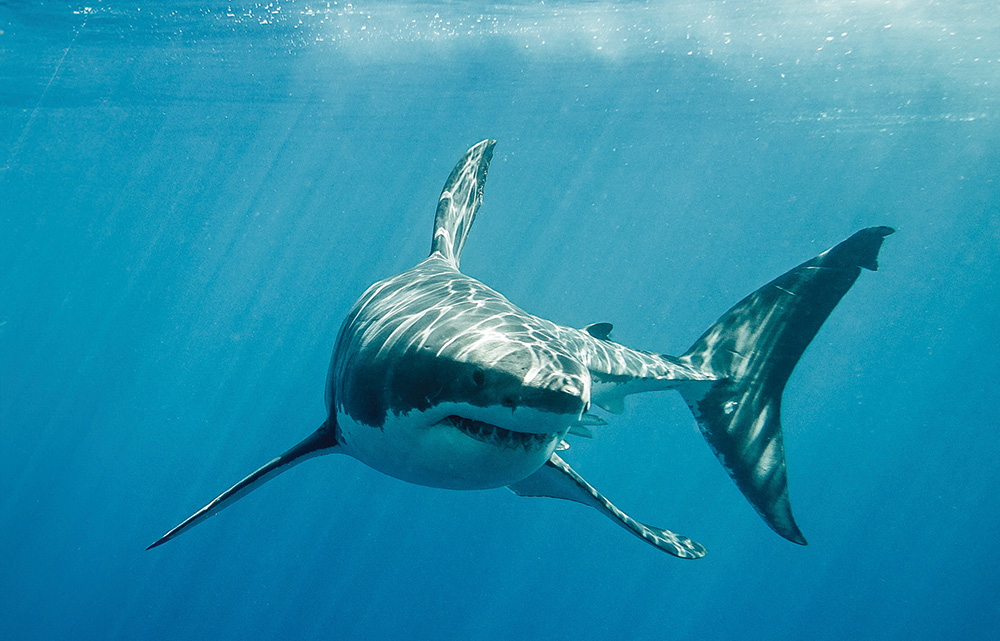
[192, 195]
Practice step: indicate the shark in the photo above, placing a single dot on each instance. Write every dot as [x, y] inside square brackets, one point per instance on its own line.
[437, 379]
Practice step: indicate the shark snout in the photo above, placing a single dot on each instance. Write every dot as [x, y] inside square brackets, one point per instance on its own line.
[571, 389]
[558, 397]
[568, 395]
[570, 385]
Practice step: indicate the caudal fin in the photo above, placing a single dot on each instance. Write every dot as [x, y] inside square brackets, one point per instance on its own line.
[316, 444]
[752, 349]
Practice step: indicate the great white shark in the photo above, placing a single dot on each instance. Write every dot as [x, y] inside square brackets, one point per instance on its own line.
[438, 380]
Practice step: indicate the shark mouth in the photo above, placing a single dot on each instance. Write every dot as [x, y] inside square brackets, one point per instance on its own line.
[488, 433]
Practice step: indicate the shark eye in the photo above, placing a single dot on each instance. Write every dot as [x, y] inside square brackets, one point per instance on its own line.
[478, 377]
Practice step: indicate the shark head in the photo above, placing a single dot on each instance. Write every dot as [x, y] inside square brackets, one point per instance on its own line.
[520, 387]
[459, 393]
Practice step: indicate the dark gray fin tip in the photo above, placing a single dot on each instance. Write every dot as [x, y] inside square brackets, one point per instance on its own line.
[316, 444]
[600, 331]
[861, 249]
[556, 479]
[753, 349]
[460, 200]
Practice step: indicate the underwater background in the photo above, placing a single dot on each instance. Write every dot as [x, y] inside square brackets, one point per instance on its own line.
[193, 194]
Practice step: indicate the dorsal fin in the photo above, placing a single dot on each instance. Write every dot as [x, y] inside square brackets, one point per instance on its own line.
[459, 202]
[600, 331]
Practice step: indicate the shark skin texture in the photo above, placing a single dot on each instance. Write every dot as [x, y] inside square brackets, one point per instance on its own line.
[438, 380]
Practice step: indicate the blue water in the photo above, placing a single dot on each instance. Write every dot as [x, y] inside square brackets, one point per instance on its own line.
[192, 196]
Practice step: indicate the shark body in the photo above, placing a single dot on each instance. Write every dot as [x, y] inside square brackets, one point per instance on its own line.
[437, 379]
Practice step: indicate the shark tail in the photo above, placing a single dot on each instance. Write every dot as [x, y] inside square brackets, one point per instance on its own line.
[752, 350]
[460, 200]
[316, 444]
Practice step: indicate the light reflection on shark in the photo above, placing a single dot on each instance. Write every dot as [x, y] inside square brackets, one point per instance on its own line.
[438, 380]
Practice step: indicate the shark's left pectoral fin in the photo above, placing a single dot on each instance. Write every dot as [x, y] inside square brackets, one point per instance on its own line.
[556, 479]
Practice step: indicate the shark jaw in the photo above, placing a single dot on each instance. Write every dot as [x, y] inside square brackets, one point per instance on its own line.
[460, 448]
[496, 435]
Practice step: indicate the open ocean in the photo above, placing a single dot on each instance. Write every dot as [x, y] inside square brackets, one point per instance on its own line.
[192, 195]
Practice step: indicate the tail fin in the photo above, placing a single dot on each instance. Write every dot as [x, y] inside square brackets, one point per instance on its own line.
[460, 200]
[753, 349]
[316, 444]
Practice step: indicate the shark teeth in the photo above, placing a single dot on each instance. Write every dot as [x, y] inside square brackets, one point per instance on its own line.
[493, 434]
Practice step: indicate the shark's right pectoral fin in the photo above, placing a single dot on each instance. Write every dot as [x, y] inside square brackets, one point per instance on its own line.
[556, 479]
[322, 441]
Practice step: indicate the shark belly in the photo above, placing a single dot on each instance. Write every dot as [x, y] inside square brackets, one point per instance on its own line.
[444, 450]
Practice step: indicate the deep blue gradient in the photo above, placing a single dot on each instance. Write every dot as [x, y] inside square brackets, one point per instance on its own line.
[192, 196]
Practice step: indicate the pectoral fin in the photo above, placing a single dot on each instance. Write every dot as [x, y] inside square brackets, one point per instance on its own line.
[556, 479]
[322, 441]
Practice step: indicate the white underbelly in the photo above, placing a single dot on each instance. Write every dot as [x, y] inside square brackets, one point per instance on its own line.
[422, 450]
